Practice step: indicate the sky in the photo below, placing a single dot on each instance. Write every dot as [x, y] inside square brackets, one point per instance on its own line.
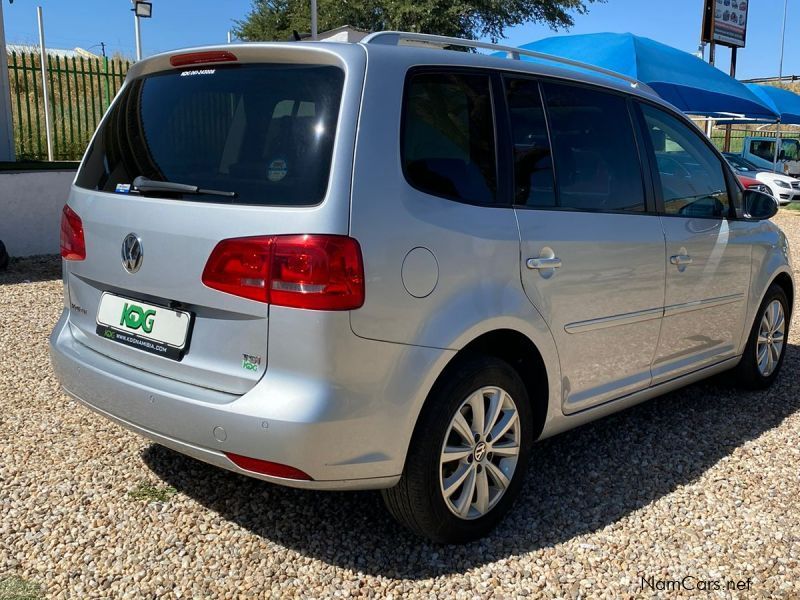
[182, 23]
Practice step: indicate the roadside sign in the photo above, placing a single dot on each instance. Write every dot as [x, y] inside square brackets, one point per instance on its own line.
[725, 22]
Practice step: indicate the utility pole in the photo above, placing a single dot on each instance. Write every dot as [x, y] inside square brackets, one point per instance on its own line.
[45, 93]
[142, 9]
[6, 126]
[707, 37]
[780, 84]
[313, 19]
[137, 32]
[783, 40]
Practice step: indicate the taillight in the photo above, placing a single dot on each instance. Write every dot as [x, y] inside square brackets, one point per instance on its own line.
[265, 467]
[322, 272]
[240, 267]
[73, 245]
[317, 272]
[202, 58]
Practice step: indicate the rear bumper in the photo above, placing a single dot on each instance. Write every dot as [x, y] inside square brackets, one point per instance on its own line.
[343, 441]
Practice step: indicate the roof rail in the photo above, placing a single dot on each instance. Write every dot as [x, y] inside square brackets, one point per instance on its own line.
[402, 38]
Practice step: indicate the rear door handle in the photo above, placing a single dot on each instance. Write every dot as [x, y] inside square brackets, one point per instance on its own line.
[680, 259]
[544, 263]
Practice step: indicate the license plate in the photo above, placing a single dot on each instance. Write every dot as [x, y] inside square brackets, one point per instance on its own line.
[154, 329]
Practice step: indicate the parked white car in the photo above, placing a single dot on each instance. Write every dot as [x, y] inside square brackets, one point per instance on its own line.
[785, 189]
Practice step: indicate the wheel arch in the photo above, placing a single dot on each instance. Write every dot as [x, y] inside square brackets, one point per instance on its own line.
[785, 281]
[524, 357]
[520, 352]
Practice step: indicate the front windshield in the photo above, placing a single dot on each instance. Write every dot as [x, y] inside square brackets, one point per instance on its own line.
[740, 164]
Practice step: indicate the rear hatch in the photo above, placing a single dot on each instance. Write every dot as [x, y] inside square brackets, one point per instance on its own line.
[257, 135]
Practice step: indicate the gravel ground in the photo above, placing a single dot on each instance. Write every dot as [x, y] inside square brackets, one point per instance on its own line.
[701, 483]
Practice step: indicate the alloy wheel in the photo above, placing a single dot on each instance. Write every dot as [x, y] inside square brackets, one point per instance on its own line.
[479, 454]
[771, 337]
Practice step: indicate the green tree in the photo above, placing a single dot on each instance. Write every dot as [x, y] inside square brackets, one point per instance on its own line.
[277, 19]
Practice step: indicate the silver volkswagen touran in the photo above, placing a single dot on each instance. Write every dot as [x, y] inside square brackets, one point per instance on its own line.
[391, 265]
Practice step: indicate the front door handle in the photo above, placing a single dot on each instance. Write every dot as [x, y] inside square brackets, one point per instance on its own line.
[544, 263]
[680, 260]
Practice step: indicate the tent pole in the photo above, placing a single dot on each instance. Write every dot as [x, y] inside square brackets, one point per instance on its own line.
[777, 145]
[727, 143]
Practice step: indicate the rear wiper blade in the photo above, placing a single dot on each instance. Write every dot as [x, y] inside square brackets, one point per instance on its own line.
[143, 184]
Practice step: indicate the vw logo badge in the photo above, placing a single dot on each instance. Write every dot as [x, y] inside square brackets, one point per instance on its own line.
[132, 253]
[480, 451]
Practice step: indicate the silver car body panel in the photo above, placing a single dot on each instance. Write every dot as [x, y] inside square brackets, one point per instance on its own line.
[316, 409]
[608, 293]
[340, 393]
[706, 300]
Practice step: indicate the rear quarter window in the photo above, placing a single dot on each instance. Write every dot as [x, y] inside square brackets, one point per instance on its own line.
[265, 132]
[448, 141]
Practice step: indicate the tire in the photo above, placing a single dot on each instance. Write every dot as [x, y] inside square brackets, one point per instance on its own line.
[418, 501]
[750, 371]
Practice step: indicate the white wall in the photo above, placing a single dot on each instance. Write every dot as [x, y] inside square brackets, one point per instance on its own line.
[30, 210]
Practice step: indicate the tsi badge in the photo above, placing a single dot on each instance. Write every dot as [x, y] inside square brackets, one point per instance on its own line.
[250, 362]
[135, 317]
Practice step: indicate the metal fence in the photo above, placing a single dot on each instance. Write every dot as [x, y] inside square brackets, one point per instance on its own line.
[79, 91]
[737, 138]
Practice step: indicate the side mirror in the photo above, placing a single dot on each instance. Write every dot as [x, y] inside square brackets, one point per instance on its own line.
[782, 155]
[759, 206]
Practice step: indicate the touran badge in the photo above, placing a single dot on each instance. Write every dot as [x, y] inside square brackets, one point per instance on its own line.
[132, 253]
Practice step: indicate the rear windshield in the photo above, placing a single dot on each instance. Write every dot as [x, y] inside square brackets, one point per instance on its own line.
[264, 132]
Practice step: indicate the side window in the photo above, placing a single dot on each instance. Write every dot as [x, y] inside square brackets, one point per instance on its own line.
[763, 149]
[286, 108]
[533, 165]
[594, 149]
[283, 109]
[691, 176]
[447, 141]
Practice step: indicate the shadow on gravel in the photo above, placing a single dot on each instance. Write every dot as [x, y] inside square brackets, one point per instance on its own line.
[32, 269]
[579, 482]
